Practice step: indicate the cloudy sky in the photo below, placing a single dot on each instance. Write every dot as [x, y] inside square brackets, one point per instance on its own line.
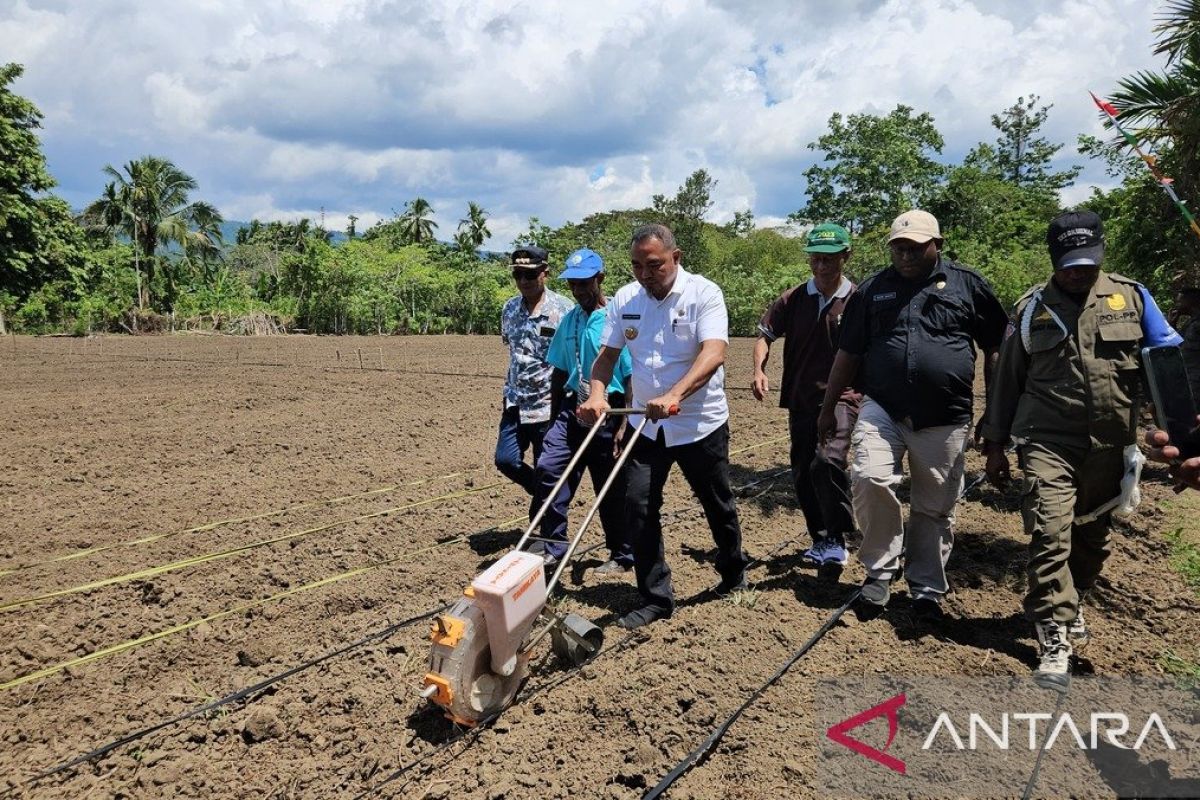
[282, 107]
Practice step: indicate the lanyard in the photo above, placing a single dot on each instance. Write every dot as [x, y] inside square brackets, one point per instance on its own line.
[583, 387]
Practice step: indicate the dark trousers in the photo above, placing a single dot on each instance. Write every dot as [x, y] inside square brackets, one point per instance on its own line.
[819, 473]
[514, 439]
[564, 438]
[705, 465]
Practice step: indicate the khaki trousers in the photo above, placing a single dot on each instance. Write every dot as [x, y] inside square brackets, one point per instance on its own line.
[936, 460]
[1064, 558]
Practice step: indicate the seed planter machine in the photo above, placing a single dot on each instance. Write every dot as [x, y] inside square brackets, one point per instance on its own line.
[481, 645]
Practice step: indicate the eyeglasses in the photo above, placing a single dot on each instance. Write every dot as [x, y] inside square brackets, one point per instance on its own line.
[526, 274]
[908, 251]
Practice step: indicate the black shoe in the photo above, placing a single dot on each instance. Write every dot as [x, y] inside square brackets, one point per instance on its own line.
[643, 616]
[876, 591]
[830, 572]
[872, 599]
[926, 609]
[612, 567]
[728, 586]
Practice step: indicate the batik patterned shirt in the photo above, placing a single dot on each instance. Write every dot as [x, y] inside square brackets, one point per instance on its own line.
[527, 385]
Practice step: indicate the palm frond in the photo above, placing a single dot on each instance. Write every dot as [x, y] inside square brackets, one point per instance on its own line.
[1178, 29]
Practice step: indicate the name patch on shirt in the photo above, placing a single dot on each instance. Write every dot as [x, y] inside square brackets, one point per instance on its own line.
[546, 330]
[631, 316]
[1125, 316]
[884, 296]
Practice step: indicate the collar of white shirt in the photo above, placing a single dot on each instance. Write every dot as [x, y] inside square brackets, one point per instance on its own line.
[842, 290]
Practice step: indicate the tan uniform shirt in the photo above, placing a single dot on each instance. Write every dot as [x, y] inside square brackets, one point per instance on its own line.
[1071, 374]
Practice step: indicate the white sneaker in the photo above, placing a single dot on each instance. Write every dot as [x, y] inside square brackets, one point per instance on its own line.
[1077, 632]
[1054, 658]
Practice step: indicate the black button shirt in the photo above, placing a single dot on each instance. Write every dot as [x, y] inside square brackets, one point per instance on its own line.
[917, 340]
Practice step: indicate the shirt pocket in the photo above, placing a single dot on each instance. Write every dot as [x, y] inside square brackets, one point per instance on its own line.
[1049, 355]
[683, 332]
[884, 315]
[1118, 343]
[1045, 337]
[941, 313]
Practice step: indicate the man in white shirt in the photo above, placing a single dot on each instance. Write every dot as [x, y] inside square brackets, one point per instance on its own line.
[676, 328]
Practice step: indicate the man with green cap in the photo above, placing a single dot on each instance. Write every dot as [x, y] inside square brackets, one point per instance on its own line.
[807, 317]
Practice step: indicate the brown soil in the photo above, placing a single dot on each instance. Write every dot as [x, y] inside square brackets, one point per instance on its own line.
[114, 439]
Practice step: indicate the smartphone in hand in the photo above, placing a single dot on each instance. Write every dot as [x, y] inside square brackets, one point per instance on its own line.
[1174, 406]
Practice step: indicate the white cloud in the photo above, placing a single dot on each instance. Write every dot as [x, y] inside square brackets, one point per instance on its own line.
[536, 108]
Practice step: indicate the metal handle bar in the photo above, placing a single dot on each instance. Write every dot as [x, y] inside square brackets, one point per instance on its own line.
[562, 564]
[626, 412]
[591, 434]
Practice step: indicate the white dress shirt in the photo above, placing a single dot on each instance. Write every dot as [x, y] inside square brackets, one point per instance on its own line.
[663, 337]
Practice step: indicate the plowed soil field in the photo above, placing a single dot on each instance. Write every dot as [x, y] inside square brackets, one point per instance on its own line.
[184, 516]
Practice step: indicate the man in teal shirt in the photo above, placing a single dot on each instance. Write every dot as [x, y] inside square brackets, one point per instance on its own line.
[572, 351]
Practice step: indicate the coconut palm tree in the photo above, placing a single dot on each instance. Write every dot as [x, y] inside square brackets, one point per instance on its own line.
[148, 202]
[475, 225]
[1161, 108]
[463, 240]
[1161, 105]
[202, 246]
[416, 223]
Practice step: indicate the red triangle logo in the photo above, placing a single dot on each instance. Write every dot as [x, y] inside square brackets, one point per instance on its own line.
[890, 708]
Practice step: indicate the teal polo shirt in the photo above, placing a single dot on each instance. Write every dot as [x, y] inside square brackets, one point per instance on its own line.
[575, 346]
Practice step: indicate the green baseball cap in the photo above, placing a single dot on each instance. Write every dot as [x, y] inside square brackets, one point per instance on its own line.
[828, 238]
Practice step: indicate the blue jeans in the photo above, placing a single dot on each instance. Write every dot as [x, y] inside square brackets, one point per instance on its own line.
[515, 438]
[563, 439]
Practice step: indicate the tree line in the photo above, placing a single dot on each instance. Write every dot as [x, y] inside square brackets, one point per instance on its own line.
[146, 255]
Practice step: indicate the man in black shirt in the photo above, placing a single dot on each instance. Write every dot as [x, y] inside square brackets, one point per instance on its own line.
[909, 334]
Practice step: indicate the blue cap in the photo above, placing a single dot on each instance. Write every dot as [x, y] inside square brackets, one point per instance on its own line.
[581, 265]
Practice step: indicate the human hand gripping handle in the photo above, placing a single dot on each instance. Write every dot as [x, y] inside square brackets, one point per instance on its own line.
[594, 409]
[661, 407]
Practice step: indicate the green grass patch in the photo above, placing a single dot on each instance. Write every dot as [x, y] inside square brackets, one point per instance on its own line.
[1183, 534]
[746, 598]
[1174, 664]
[1185, 558]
